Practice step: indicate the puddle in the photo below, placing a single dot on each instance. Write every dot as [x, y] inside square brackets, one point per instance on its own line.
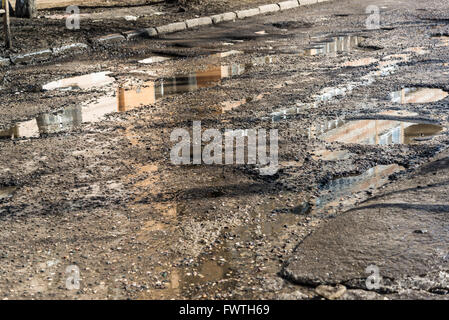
[333, 192]
[154, 59]
[373, 132]
[6, 192]
[173, 283]
[386, 67]
[418, 95]
[333, 46]
[88, 81]
[125, 97]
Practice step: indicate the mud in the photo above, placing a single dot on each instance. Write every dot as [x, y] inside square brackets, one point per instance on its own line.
[86, 177]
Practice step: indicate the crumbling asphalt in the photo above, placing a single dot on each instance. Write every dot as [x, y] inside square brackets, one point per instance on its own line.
[104, 196]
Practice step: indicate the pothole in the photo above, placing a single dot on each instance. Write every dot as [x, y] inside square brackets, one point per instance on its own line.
[333, 46]
[88, 81]
[373, 132]
[125, 97]
[418, 95]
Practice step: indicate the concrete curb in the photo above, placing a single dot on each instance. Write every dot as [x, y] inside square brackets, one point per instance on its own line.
[224, 17]
[242, 14]
[45, 54]
[268, 8]
[285, 5]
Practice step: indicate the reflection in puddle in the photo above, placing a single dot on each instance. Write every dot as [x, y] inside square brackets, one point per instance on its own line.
[154, 59]
[125, 98]
[388, 66]
[374, 178]
[418, 95]
[380, 132]
[334, 46]
[6, 192]
[98, 79]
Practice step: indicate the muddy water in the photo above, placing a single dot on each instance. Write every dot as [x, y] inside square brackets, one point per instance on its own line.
[418, 95]
[124, 98]
[374, 132]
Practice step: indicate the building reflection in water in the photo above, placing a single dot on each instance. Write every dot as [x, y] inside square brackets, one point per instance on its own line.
[332, 47]
[418, 95]
[380, 132]
[127, 98]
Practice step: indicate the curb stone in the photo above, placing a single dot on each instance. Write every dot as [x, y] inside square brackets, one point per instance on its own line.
[149, 32]
[285, 5]
[198, 22]
[269, 8]
[242, 14]
[224, 17]
[172, 27]
[154, 31]
[33, 56]
[307, 2]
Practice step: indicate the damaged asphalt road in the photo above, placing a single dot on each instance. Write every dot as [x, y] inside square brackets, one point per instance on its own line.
[86, 178]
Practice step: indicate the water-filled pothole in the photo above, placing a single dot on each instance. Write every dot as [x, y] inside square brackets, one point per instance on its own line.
[88, 81]
[333, 46]
[418, 95]
[125, 98]
[374, 132]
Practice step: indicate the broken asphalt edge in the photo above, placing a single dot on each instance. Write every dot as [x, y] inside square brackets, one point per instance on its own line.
[45, 54]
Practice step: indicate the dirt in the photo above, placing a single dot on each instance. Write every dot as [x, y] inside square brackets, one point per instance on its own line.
[49, 29]
[104, 196]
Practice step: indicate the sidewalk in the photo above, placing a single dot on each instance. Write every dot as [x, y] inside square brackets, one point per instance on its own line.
[39, 39]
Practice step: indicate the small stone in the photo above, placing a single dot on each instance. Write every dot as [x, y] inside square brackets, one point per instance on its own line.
[329, 292]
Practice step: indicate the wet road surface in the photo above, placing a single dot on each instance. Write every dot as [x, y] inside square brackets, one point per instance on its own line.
[86, 178]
